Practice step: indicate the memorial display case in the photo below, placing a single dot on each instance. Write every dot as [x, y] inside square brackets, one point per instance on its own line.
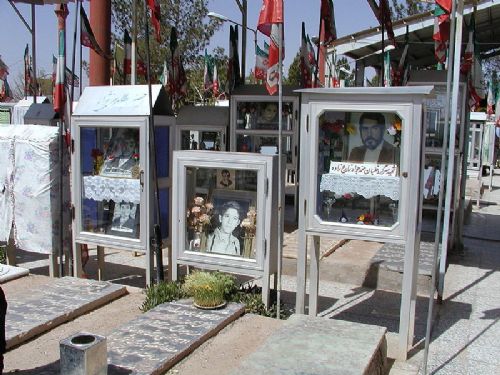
[112, 172]
[224, 213]
[202, 128]
[434, 122]
[362, 156]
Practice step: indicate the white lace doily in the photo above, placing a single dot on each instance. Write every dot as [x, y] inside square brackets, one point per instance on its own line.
[366, 186]
[101, 188]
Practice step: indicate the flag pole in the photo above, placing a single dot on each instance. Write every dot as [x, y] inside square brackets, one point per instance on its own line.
[77, 14]
[156, 242]
[280, 167]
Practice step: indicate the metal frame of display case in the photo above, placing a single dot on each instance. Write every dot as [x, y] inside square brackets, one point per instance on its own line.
[265, 262]
[407, 103]
[202, 119]
[437, 78]
[258, 93]
[123, 107]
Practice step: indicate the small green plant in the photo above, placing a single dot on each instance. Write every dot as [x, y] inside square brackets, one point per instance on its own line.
[160, 293]
[251, 297]
[209, 289]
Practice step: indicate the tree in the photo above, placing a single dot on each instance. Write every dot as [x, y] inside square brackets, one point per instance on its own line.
[409, 8]
[189, 19]
[294, 73]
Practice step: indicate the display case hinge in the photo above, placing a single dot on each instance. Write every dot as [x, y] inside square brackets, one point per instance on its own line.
[266, 187]
[305, 206]
[307, 123]
[296, 115]
[265, 248]
[72, 212]
[72, 145]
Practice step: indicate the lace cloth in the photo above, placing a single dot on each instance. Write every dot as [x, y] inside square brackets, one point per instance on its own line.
[101, 188]
[366, 186]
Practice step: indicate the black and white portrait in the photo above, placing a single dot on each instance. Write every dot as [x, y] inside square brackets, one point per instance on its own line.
[224, 240]
[122, 154]
[124, 222]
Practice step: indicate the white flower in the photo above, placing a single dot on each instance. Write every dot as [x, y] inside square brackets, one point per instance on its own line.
[392, 130]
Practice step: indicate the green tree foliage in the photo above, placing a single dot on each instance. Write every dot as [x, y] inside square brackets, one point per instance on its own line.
[402, 9]
[294, 73]
[194, 31]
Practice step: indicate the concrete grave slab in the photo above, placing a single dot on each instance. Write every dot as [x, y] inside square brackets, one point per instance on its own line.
[53, 304]
[8, 273]
[158, 339]
[311, 345]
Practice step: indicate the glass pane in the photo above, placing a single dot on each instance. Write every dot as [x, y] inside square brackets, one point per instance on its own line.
[358, 167]
[432, 179]
[201, 140]
[264, 145]
[263, 115]
[110, 181]
[221, 211]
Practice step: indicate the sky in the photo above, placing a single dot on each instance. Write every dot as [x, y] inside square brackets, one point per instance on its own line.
[14, 35]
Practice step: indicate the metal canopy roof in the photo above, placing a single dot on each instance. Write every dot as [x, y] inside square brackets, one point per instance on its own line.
[366, 45]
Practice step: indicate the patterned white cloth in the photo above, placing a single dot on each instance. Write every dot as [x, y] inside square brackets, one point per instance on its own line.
[101, 188]
[366, 186]
[34, 189]
[6, 197]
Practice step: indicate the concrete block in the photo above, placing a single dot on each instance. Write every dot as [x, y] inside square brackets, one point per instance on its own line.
[84, 354]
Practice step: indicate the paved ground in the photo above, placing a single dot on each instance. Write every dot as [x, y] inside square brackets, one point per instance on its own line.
[464, 338]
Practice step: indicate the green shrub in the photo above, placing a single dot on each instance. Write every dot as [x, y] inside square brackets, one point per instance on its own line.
[209, 289]
[160, 293]
[251, 297]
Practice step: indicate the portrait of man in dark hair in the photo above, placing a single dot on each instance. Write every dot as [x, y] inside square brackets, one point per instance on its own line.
[375, 149]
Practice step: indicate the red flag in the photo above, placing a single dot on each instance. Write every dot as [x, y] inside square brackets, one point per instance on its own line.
[271, 14]
[306, 57]
[441, 28]
[328, 19]
[154, 5]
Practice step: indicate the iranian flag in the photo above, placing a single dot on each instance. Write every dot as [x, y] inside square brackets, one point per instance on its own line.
[87, 37]
[207, 73]
[271, 16]
[140, 66]
[261, 62]
[497, 109]
[441, 34]
[59, 93]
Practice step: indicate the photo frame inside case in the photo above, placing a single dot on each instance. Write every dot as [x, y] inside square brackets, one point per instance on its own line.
[124, 220]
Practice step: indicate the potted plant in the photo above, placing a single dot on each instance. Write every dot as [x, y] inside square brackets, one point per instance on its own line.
[209, 289]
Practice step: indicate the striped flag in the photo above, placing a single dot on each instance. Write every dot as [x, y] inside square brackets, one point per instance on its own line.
[71, 78]
[271, 14]
[215, 85]
[490, 100]
[87, 37]
[207, 73]
[261, 62]
[140, 66]
[441, 34]
[59, 98]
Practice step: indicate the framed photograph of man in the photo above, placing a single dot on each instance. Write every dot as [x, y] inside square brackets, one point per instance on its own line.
[122, 155]
[125, 220]
[226, 179]
[235, 223]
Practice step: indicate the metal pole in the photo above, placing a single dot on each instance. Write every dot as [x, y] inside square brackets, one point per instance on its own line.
[280, 167]
[33, 42]
[437, 235]
[451, 159]
[133, 57]
[77, 13]
[243, 39]
[152, 155]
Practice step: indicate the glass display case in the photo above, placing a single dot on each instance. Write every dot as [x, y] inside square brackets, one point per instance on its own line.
[112, 177]
[362, 151]
[254, 122]
[224, 213]
[202, 128]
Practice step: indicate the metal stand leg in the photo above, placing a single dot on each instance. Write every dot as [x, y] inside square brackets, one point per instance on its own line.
[77, 260]
[100, 263]
[10, 252]
[53, 263]
[314, 277]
